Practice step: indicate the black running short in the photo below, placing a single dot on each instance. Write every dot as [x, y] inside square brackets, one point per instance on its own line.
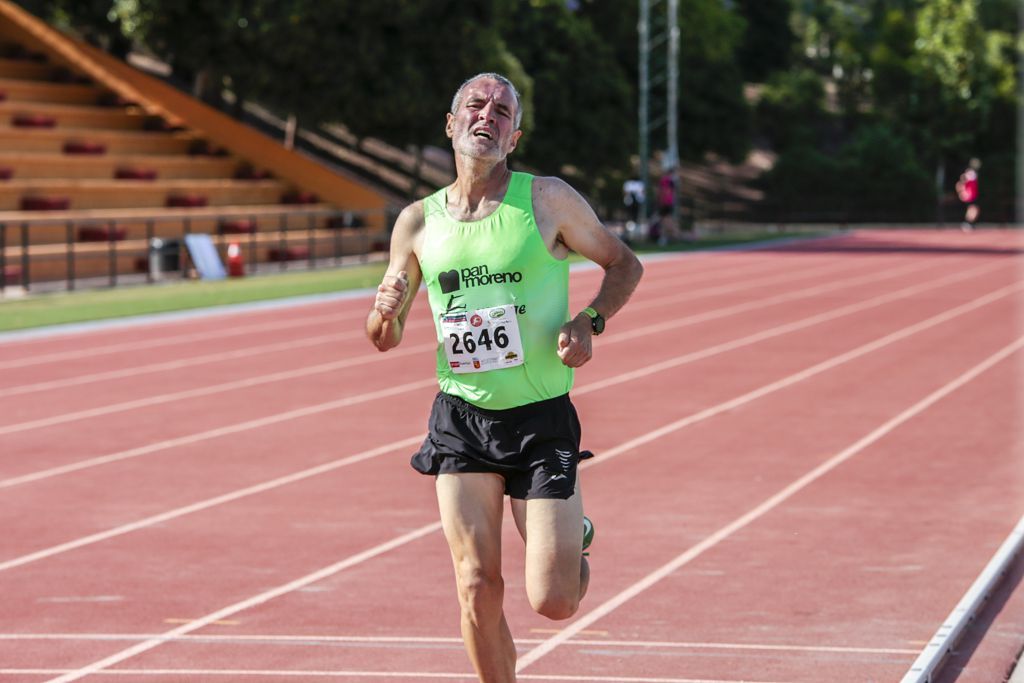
[535, 447]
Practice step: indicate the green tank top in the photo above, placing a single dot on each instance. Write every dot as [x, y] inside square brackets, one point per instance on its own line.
[485, 279]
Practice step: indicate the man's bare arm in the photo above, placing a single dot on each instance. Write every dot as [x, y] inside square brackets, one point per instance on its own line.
[581, 231]
[396, 292]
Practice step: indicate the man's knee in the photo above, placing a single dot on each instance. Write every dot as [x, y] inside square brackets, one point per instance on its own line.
[480, 593]
[555, 605]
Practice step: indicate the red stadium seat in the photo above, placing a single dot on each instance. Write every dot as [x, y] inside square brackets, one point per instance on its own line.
[238, 226]
[45, 203]
[100, 233]
[114, 100]
[247, 172]
[278, 254]
[299, 197]
[187, 200]
[133, 173]
[84, 147]
[33, 121]
[12, 274]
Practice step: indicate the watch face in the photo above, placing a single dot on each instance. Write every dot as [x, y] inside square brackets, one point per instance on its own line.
[597, 324]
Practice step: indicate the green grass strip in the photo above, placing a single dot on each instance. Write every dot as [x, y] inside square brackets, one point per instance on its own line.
[38, 310]
[81, 306]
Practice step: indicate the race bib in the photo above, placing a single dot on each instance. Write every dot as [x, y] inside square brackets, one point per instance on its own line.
[482, 340]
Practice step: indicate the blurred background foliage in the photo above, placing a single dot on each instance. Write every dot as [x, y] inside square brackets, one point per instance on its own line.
[871, 108]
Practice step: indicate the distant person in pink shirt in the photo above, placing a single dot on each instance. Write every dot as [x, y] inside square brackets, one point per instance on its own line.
[967, 191]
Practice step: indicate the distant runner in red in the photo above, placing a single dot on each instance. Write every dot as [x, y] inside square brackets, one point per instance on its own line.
[967, 191]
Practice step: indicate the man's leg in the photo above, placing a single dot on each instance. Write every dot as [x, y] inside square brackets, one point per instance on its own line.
[557, 574]
[471, 510]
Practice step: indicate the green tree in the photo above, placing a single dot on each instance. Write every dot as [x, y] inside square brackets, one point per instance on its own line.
[713, 113]
[939, 73]
[768, 39]
[98, 21]
[791, 110]
[875, 176]
[584, 109]
[386, 69]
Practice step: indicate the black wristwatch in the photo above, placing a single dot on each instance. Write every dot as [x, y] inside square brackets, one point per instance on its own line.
[596, 320]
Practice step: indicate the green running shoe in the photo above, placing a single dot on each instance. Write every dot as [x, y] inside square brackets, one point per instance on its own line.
[588, 533]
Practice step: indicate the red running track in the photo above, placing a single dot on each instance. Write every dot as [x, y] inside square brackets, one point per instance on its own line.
[806, 455]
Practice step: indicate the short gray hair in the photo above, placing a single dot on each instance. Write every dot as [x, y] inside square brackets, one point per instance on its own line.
[493, 76]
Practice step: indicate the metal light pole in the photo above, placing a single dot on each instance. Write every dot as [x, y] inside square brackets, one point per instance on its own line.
[672, 106]
[658, 38]
[644, 29]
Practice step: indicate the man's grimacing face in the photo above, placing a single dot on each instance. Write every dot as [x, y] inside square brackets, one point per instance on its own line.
[483, 126]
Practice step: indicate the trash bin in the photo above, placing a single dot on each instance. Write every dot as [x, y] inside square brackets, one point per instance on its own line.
[164, 257]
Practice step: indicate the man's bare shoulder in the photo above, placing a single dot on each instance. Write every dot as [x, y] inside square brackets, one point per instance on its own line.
[553, 189]
[411, 217]
[408, 228]
[558, 203]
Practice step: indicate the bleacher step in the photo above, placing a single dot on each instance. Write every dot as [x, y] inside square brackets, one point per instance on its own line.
[103, 193]
[29, 165]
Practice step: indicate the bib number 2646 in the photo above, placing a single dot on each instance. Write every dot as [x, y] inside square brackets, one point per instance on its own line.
[482, 340]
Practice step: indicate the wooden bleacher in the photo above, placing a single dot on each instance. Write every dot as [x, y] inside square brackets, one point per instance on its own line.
[97, 159]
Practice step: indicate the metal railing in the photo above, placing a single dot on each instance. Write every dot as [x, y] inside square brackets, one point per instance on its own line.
[55, 253]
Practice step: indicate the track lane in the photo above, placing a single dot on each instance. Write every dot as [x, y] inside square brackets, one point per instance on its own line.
[865, 555]
[234, 362]
[446, 567]
[439, 557]
[178, 468]
[31, 444]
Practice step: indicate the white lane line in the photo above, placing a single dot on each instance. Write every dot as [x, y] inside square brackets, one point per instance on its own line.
[211, 389]
[210, 502]
[313, 640]
[872, 276]
[373, 357]
[721, 348]
[765, 507]
[227, 331]
[945, 639]
[293, 344]
[249, 603]
[580, 625]
[218, 432]
[284, 673]
[774, 331]
[137, 370]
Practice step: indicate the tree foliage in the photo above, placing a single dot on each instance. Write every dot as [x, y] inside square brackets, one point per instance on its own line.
[768, 39]
[875, 176]
[713, 113]
[937, 75]
[584, 109]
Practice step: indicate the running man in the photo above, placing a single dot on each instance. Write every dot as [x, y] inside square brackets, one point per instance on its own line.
[967, 191]
[491, 249]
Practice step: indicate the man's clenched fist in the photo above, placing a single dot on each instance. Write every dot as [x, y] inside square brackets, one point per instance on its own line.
[391, 295]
